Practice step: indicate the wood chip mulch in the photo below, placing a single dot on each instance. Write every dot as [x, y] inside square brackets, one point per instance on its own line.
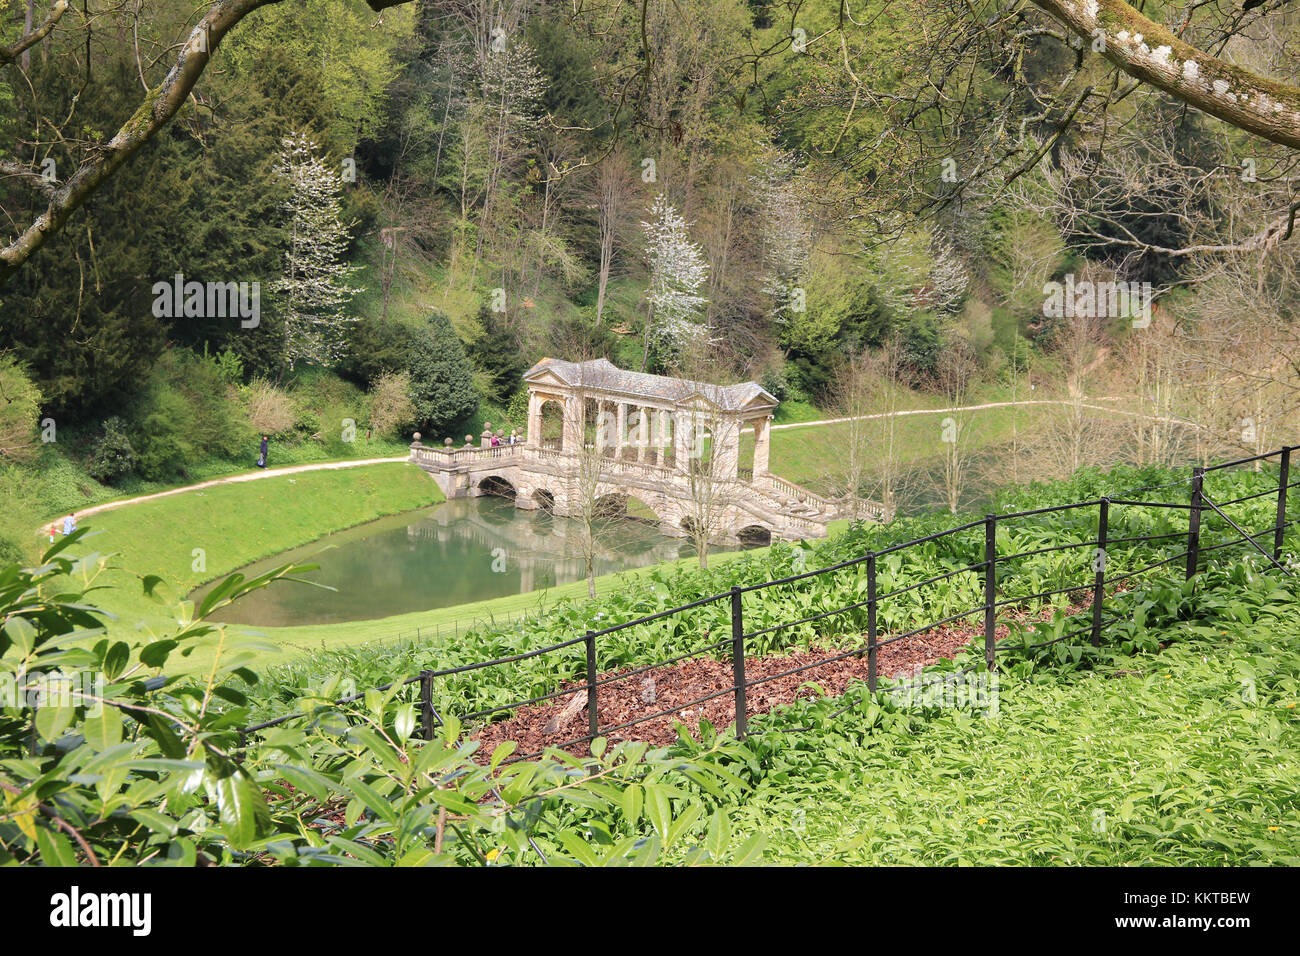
[672, 688]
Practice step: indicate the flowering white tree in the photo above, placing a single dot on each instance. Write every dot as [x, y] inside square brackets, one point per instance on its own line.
[677, 271]
[787, 231]
[314, 286]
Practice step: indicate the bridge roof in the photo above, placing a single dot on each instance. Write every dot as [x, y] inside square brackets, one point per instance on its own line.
[603, 375]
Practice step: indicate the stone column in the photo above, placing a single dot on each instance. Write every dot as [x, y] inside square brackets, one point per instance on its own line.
[572, 437]
[762, 444]
[642, 433]
[534, 431]
[600, 430]
[725, 450]
[683, 423]
[620, 428]
[666, 426]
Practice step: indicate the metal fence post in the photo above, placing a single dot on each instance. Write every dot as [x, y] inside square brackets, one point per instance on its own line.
[593, 718]
[426, 704]
[1099, 567]
[872, 639]
[1284, 479]
[1194, 522]
[990, 589]
[738, 660]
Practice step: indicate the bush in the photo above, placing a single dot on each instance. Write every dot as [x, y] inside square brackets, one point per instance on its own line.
[11, 552]
[270, 410]
[19, 411]
[390, 403]
[112, 457]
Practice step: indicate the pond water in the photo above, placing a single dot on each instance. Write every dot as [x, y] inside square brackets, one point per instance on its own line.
[464, 550]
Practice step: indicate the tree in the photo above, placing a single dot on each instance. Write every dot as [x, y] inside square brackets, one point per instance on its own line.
[497, 355]
[911, 85]
[614, 189]
[955, 371]
[677, 270]
[442, 377]
[787, 231]
[314, 286]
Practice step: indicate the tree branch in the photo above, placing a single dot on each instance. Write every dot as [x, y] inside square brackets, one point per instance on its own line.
[159, 107]
[10, 53]
[1150, 52]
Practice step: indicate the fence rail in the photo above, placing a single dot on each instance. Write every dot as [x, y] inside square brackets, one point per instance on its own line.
[1092, 590]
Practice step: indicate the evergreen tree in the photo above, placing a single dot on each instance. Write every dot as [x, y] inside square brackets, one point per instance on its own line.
[442, 378]
[496, 354]
[314, 287]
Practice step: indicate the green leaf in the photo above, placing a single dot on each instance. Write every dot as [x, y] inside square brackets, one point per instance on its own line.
[658, 810]
[51, 722]
[404, 722]
[22, 633]
[104, 730]
[56, 848]
[309, 781]
[633, 798]
[244, 814]
[156, 654]
[115, 660]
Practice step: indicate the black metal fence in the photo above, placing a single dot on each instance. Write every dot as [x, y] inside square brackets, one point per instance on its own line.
[1093, 590]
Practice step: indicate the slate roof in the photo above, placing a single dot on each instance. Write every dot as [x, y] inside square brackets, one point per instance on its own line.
[606, 376]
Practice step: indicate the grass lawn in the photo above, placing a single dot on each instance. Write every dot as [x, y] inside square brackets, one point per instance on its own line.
[192, 538]
[1187, 757]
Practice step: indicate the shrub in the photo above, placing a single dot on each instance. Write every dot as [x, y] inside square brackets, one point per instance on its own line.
[112, 457]
[19, 410]
[270, 410]
[390, 403]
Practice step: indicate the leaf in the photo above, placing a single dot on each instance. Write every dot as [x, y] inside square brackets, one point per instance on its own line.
[115, 660]
[52, 721]
[658, 810]
[309, 781]
[417, 856]
[22, 633]
[633, 798]
[156, 654]
[404, 722]
[165, 737]
[502, 751]
[56, 848]
[244, 814]
[105, 730]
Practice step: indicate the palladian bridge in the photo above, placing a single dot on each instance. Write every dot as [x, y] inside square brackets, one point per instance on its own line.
[596, 431]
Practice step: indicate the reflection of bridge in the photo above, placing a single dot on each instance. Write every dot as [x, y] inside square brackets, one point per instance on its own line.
[649, 443]
[534, 546]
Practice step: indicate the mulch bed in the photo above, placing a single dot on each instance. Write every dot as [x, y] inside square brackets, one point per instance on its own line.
[674, 687]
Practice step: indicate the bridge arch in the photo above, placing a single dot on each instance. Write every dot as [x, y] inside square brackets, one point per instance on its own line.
[497, 485]
[545, 499]
[621, 504]
[754, 535]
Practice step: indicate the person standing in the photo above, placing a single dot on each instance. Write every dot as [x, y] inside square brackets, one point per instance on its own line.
[70, 524]
[262, 452]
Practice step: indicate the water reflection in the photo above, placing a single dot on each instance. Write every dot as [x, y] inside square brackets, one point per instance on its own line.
[464, 550]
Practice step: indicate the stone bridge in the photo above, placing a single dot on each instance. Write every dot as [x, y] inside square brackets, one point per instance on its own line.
[671, 444]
